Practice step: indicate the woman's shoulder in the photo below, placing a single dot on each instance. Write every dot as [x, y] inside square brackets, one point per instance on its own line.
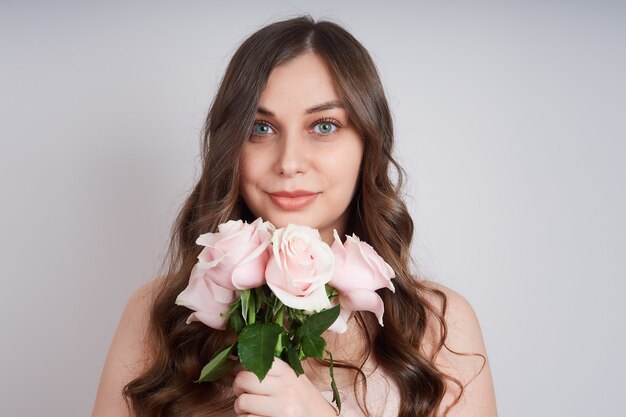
[128, 352]
[464, 355]
[457, 306]
[133, 324]
[463, 333]
[135, 317]
[142, 299]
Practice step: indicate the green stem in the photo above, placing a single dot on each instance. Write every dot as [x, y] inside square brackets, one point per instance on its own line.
[333, 384]
[280, 316]
[279, 346]
[252, 309]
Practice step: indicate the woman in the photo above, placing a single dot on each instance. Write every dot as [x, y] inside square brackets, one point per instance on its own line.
[300, 132]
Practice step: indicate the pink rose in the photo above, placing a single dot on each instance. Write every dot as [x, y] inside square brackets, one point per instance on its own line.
[207, 299]
[359, 272]
[299, 267]
[235, 256]
[233, 259]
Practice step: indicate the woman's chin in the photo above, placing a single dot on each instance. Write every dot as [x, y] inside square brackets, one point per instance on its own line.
[283, 221]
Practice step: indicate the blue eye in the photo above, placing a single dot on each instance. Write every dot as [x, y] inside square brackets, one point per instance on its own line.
[262, 128]
[325, 127]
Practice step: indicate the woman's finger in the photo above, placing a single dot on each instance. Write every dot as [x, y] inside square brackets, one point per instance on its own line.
[247, 382]
[251, 404]
[280, 368]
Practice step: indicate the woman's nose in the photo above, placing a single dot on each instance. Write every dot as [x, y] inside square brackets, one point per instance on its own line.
[293, 155]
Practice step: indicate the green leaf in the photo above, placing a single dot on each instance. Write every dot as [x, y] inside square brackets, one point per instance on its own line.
[317, 323]
[313, 346]
[256, 345]
[245, 304]
[294, 359]
[218, 366]
[331, 292]
[236, 323]
[333, 384]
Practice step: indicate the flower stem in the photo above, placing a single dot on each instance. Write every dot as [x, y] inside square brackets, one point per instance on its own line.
[333, 384]
[252, 309]
[280, 316]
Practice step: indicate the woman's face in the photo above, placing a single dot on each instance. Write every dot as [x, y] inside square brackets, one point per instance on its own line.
[301, 162]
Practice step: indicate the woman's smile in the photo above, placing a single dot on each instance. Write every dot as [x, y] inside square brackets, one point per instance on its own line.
[293, 200]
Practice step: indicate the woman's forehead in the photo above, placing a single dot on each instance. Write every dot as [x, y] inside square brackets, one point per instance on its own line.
[302, 83]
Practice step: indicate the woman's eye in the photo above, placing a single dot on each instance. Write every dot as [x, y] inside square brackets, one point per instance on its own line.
[324, 128]
[261, 128]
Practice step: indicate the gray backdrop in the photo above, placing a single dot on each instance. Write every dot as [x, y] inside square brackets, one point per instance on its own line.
[510, 122]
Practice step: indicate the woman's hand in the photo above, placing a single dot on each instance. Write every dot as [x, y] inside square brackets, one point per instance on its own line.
[281, 394]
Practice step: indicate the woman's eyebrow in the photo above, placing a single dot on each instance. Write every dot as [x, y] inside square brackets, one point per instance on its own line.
[324, 106]
[315, 109]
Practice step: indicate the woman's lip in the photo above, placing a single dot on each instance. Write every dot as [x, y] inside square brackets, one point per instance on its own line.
[294, 193]
[292, 203]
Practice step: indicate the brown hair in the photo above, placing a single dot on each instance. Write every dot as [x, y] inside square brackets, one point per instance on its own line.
[379, 216]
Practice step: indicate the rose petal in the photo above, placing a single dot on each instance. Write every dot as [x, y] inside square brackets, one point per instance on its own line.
[257, 250]
[302, 232]
[204, 265]
[210, 239]
[236, 243]
[382, 270]
[210, 254]
[363, 300]
[220, 274]
[276, 239]
[207, 239]
[274, 273]
[355, 273]
[212, 320]
[221, 294]
[236, 251]
[316, 301]
[230, 227]
[339, 251]
[196, 296]
[251, 274]
[341, 324]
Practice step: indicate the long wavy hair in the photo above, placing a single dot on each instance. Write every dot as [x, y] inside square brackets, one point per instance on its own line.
[177, 351]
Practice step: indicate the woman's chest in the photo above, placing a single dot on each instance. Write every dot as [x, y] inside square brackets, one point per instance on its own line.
[382, 398]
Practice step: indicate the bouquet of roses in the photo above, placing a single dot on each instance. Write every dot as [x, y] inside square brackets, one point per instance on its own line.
[279, 290]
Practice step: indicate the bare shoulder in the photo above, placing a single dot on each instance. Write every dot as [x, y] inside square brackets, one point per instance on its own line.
[127, 355]
[463, 356]
[463, 326]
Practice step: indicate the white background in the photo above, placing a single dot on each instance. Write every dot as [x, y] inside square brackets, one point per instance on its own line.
[510, 123]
